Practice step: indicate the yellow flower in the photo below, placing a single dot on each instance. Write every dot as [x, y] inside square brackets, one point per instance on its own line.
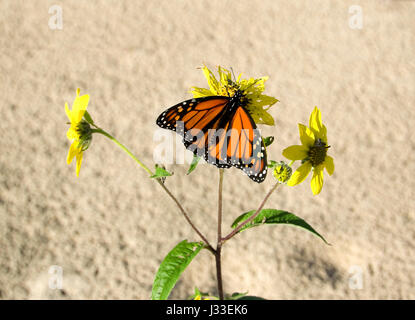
[282, 171]
[79, 132]
[312, 152]
[251, 89]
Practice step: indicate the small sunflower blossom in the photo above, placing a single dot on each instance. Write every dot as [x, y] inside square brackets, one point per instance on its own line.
[252, 90]
[282, 172]
[79, 133]
[312, 153]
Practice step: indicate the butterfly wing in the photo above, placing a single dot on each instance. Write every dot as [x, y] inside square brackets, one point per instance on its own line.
[193, 118]
[223, 136]
[238, 142]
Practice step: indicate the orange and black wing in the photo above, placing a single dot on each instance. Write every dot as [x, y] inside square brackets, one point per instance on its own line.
[238, 142]
[193, 119]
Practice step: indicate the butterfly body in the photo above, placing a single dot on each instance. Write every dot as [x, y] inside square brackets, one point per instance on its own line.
[220, 129]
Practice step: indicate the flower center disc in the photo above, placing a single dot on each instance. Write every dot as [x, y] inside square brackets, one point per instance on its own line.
[317, 153]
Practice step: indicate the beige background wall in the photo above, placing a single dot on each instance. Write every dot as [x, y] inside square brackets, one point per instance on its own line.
[110, 228]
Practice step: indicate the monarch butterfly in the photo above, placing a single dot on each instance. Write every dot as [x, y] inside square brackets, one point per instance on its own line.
[220, 129]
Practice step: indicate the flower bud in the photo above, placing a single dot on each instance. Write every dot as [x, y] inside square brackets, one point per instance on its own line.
[282, 171]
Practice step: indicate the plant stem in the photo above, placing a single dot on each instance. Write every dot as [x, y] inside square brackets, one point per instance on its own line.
[220, 205]
[186, 216]
[219, 242]
[236, 230]
[219, 270]
[142, 165]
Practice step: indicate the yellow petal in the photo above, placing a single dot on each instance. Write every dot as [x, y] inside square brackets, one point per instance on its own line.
[306, 136]
[295, 152]
[239, 78]
[73, 151]
[79, 100]
[300, 174]
[322, 134]
[258, 110]
[315, 119]
[329, 164]
[260, 116]
[72, 134]
[200, 92]
[316, 125]
[317, 180]
[79, 106]
[224, 75]
[210, 77]
[78, 162]
[77, 116]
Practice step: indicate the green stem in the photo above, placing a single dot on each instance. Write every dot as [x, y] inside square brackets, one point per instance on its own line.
[142, 165]
[219, 241]
[235, 231]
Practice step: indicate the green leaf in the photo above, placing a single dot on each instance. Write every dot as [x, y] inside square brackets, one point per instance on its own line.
[88, 117]
[194, 163]
[273, 216]
[172, 267]
[160, 172]
[237, 296]
[243, 296]
[268, 140]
